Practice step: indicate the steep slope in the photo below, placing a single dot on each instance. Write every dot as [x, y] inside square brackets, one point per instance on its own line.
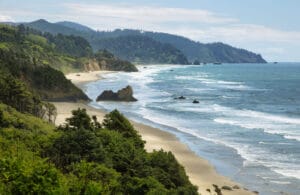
[30, 58]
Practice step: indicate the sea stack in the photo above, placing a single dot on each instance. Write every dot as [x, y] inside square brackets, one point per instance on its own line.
[125, 94]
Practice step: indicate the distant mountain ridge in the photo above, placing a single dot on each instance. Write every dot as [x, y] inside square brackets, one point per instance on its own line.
[75, 26]
[142, 50]
[191, 50]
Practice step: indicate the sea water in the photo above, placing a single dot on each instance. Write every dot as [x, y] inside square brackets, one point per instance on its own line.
[247, 123]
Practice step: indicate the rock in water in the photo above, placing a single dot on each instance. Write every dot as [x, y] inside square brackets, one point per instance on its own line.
[180, 98]
[196, 102]
[125, 94]
[107, 95]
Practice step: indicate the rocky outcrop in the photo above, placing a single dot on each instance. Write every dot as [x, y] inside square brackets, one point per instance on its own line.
[92, 65]
[125, 94]
[196, 102]
[112, 64]
[180, 98]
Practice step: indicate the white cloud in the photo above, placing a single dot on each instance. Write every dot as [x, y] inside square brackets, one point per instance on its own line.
[5, 18]
[201, 25]
[241, 33]
[149, 14]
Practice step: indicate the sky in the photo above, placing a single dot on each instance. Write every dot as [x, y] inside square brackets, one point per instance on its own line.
[268, 27]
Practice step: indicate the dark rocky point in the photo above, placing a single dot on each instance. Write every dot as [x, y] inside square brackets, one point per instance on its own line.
[125, 94]
[196, 102]
[180, 98]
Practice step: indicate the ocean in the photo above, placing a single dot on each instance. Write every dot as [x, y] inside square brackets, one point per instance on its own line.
[247, 122]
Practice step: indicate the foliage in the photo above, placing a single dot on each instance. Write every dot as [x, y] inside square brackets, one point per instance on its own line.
[121, 46]
[53, 85]
[209, 53]
[94, 178]
[82, 157]
[23, 138]
[108, 61]
[164, 164]
[31, 58]
[16, 94]
[117, 122]
[32, 132]
[70, 45]
[142, 50]
[78, 142]
[17, 178]
[114, 150]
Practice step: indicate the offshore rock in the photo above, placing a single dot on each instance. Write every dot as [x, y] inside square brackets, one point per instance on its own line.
[125, 94]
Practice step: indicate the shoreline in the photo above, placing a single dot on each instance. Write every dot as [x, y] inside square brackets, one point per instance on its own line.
[201, 173]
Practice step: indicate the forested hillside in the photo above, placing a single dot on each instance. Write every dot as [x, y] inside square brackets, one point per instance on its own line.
[209, 53]
[38, 58]
[141, 50]
[192, 50]
[30, 58]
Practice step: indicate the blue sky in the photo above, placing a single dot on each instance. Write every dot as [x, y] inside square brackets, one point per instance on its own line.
[268, 27]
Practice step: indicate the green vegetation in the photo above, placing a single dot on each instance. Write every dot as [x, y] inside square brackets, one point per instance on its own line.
[82, 157]
[16, 94]
[76, 45]
[142, 50]
[32, 59]
[134, 48]
[108, 61]
[70, 45]
[137, 51]
[208, 53]
[37, 58]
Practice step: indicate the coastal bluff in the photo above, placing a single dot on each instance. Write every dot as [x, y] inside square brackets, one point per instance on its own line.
[125, 94]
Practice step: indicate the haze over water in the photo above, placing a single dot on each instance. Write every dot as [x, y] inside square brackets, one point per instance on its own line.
[247, 123]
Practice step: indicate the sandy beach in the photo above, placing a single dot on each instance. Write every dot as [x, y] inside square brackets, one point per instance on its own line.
[81, 78]
[200, 171]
